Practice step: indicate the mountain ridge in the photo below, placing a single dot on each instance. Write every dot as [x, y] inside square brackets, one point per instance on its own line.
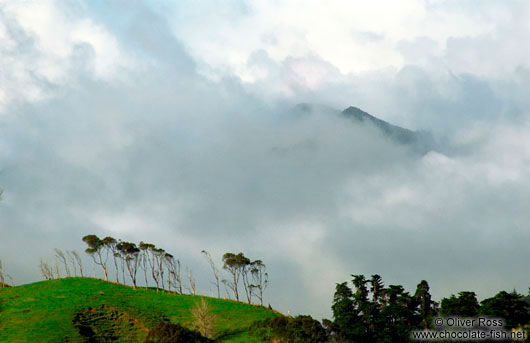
[419, 141]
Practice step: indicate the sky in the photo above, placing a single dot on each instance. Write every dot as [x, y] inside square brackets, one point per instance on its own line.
[176, 123]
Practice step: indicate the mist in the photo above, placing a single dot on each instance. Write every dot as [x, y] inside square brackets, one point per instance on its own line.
[121, 130]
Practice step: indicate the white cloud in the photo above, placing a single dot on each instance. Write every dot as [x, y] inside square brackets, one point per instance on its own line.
[229, 166]
[46, 43]
[352, 36]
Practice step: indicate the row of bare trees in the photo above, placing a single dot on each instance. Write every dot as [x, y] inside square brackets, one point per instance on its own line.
[67, 265]
[3, 275]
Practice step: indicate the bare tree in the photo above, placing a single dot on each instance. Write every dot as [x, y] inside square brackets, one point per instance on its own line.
[59, 255]
[178, 278]
[205, 320]
[161, 256]
[57, 269]
[71, 258]
[226, 288]
[2, 276]
[45, 270]
[79, 261]
[170, 263]
[191, 281]
[215, 270]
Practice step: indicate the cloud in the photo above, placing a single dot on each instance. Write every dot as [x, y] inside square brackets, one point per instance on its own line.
[147, 128]
[42, 45]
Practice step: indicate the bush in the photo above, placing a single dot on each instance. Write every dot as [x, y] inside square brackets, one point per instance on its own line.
[173, 333]
[301, 329]
[204, 319]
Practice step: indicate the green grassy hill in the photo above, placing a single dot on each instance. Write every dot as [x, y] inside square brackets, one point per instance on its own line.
[65, 310]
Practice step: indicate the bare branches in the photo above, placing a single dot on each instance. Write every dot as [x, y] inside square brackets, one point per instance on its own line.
[72, 261]
[45, 270]
[3, 276]
[79, 261]
[191, 281]
[215, 270]
[260, 279]
[205, 320]
[59, 255]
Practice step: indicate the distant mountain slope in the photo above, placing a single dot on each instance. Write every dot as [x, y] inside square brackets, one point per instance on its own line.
[419, 141]
[91, 310]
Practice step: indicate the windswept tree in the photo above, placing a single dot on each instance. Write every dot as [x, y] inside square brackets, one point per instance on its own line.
[97, 250]
[111, 245]
[3, 276]
[156, 263]
[161, 256]
[120, 255]
[216, 272]
[71, 259]
[144, 258]
[170, 264]
[131, 252]
[45, 270]
[59, 255]
[236, 265]
[191, 282]
[178, 277]
[260, 279]
[79, 261]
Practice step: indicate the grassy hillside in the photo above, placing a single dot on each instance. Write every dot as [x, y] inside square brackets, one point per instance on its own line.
[62, 310]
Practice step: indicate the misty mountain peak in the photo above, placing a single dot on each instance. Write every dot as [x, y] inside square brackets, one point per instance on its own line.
[358, 114]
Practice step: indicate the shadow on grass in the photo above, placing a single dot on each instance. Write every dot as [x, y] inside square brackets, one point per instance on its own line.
[227, 334]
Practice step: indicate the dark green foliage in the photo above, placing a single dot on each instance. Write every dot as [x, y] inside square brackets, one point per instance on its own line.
[376, 314]
[236, 265]
[509, 306]
[398, 317]
[465, 305]
[301, 329]
[173, 333]
[346, 323]
[422, 297]
[96, 248]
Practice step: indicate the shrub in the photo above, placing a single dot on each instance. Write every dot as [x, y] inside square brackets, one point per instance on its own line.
[204, 319]
[301, 329]
[173, 333]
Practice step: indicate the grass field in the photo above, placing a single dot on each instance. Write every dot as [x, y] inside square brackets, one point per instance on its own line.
[58, 310]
